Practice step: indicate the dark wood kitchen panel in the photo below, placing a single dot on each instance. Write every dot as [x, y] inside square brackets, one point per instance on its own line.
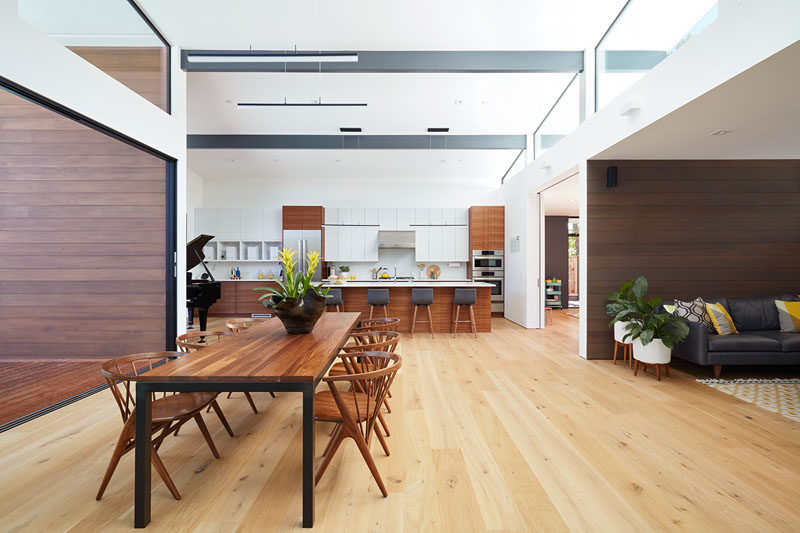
[693, 228]
[303, 217]
[487, 227]
[82, 239]
[247, 298]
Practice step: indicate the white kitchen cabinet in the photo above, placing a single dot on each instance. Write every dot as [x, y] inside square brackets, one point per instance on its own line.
[405, 218]
[273, 224]
[461, 215]
[345, 244]
[205, 221]
[345, 215]
[332, 243]
[357, 215]
[421, 216]
[435, 216]
[331, 215]
[449, 216]
[422, 249]
[252, 223]
[229, 224]
[358, 243]
[462, 244]
[448, 243]
[387, 218]
[436, 243]
[371, 243]
[371, 216]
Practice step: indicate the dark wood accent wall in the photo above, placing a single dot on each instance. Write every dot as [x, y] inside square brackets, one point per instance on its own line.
[143, 69]
[82, 239]
[693, 228]
[556, 254]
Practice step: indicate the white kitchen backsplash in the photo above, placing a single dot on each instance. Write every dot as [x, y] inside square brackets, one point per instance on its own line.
[406, 265]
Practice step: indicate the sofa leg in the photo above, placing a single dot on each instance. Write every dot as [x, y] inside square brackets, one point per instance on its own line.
[717, 370]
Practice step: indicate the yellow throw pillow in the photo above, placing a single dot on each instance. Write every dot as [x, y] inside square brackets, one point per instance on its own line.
[789, 315]
[723, 323]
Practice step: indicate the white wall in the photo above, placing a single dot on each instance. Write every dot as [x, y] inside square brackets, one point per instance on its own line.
[352, 193]
[40, 64]
[194, 198]
[746, 32]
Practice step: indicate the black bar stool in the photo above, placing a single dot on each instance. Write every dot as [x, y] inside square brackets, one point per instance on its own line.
[334, 298]
[421, 297]
[465, 297]
[378, 297]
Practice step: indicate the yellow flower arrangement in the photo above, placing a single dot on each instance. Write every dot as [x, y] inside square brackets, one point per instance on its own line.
[295, 283]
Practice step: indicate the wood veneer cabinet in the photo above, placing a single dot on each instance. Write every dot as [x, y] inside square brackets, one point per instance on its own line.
[487, 227]
[239, 298]
[303, 217]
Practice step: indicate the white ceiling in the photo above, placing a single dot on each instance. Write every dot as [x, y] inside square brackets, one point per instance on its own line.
[374, 167]
[759, 107]
[383, 25]
[397, 103]
[562, 199]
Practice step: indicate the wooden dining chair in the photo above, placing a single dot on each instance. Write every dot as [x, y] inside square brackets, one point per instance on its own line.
[377, 324]
[370, 341]
[170, 411]
[197, 340]
[354, 411]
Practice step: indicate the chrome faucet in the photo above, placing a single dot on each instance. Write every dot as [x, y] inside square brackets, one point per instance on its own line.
[395, 270]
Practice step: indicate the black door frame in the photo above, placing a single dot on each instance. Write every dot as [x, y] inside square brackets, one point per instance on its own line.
[171, 257]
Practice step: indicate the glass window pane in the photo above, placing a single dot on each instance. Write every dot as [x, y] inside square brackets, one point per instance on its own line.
[110, 35]
[645, 33]
[564, 117]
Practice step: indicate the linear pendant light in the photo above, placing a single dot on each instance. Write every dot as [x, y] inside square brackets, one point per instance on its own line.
[272, 58]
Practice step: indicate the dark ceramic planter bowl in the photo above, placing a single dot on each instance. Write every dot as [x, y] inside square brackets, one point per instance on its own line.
[300, 315]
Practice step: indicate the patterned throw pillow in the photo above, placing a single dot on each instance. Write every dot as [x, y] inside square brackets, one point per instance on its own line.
[694, 311]
[723, 323]
[789, 315]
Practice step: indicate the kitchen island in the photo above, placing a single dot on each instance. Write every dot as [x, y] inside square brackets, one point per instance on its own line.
[354, 294]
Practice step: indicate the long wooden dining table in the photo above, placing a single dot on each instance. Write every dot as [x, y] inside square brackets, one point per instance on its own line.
[262, 358]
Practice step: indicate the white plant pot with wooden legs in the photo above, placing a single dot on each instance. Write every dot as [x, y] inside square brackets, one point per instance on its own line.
[655, 353]
[620, 330]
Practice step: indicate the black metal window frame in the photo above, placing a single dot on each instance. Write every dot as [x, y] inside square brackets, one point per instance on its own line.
[170, 177]
[164, 41]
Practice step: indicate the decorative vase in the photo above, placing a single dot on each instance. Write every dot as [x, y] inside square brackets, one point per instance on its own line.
[300, 315]
[655, 353]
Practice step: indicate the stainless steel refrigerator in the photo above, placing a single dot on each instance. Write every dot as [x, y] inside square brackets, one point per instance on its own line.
[304, 241]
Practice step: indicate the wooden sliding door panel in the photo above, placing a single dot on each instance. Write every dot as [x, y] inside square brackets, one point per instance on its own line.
[693, 228]
[83, 247]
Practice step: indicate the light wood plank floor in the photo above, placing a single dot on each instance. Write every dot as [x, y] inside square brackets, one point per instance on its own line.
[510, 432]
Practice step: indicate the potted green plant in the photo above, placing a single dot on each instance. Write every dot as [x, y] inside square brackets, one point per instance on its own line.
[297, 303]
[652, 330]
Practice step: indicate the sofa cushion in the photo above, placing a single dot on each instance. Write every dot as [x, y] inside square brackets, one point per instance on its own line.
[754, 314]
[693, 311]
[790, 342]
[752, 341]
[721, 319]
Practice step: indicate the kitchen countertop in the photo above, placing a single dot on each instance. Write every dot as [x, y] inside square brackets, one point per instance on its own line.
[371, 284]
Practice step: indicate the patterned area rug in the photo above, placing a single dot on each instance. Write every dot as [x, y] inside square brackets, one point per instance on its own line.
[780, 396]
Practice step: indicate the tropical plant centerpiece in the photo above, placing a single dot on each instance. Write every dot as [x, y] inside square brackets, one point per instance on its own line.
[651, 329]
[297, 303]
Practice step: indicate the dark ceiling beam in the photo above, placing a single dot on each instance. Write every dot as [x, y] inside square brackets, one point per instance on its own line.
[431, 61]
[356, 142]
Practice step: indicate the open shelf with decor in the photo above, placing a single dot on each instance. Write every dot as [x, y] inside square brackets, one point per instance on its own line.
[552, 293]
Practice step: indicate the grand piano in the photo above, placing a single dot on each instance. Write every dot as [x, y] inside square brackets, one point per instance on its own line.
[200, 293]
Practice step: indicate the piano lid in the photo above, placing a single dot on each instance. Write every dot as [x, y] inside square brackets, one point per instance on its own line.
[194, 251]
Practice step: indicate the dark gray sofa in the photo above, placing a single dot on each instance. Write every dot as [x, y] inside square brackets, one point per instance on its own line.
[760, 341]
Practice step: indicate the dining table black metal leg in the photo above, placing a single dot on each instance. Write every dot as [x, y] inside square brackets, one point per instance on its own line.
[308, 455]
[144, 416]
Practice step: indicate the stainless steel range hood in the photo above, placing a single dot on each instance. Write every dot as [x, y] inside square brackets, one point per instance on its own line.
[397, 239]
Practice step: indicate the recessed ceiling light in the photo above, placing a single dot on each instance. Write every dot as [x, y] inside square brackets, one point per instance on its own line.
[338, 160]
[350, 130]
[438, 130]
[442, 160]
[232, 160]
[458, 102]
[719, 132]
